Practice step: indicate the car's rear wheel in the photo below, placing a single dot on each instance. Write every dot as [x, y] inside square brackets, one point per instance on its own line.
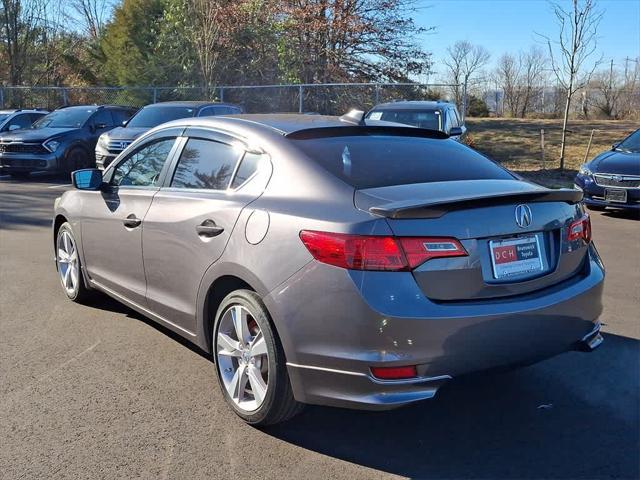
[250, 362]
[69, 265]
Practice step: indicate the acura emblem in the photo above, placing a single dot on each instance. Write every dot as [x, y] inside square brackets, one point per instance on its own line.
[617, 178]
[523, 216]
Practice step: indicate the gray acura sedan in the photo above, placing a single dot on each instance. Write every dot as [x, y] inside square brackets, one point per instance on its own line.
[325, 261]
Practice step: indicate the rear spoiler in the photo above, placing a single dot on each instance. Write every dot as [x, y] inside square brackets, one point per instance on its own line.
[437, 208]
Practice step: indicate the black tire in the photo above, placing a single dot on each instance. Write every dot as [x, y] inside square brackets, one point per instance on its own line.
[20, 175]
[80, 293]
[279, 404]
[75, 159]
[596, 208]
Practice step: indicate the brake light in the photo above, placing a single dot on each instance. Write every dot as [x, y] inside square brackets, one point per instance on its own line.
[394, 373]
[375, 252]
[580, 229]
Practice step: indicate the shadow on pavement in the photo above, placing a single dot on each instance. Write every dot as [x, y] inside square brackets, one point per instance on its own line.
[574, 416]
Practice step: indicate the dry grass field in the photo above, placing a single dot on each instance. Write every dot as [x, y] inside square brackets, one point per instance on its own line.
[515, 143]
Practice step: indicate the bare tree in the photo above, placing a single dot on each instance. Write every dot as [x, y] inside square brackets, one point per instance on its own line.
[533, 64]
[209, 36]
[608, 87]
[508, 77]
[92, 15]
[575, 44]
[464, 61]
[19, 29]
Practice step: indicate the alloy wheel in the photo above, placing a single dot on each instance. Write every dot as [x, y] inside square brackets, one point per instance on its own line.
[242, 358]
[68, 265]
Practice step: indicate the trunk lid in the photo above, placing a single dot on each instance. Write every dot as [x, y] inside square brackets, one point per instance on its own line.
[481, 214]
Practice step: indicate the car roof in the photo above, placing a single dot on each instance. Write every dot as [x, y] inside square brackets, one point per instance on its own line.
[124, 107]
[286, 124]
[23, 110]
[190, 103]
[413, 105]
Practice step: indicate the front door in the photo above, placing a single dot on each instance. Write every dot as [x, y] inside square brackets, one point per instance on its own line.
[112, 228]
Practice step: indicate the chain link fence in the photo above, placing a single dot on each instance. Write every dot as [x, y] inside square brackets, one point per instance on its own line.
[329, 99]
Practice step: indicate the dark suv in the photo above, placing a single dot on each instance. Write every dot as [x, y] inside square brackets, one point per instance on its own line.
[112, 143]
[63, 140]
[432, 115]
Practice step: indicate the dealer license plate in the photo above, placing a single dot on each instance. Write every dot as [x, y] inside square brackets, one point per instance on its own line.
[515, 256]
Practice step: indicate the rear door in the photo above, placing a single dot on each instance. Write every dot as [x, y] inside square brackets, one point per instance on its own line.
[190, 221]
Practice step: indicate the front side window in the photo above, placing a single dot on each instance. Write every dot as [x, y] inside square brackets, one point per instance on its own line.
[103, 117]
[72, 117]
[142, 168]
[205, 164]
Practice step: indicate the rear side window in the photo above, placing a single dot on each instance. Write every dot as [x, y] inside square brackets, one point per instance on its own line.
[370, 161]
[248, 166]
[205, 164]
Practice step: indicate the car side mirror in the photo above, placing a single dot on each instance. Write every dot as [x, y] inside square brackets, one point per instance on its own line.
[87, 179]
[124, 123]
[455, 131]
[14, 127]
[614, 146]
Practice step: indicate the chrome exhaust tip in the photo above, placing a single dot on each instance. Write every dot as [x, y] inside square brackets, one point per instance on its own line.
[592, 340]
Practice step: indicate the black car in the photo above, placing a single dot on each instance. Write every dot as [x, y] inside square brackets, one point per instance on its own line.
[63, 140]
[115, 141]
[612, 179]
[432, 115]
[16, 119]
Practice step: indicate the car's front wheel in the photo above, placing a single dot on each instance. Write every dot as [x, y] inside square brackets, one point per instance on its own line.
[250, 362]
[68, 264]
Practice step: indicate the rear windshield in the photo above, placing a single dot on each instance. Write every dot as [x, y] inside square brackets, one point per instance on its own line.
[430, 119]
[149, 117]
[371, 161]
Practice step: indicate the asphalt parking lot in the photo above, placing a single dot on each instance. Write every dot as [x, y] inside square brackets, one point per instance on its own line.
[100, 392]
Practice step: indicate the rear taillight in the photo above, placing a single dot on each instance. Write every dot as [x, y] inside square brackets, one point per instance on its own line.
[372, 252]
[580, 229]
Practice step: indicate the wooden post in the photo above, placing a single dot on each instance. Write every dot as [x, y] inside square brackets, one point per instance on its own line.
[586, 154]
[542, 147]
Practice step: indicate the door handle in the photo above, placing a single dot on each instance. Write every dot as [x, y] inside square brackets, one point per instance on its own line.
[132, 221]
[208, 228]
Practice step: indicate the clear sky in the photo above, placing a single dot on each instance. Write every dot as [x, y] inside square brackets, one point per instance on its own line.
[509, 25]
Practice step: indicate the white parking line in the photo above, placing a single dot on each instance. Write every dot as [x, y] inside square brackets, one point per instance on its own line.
[59, 186]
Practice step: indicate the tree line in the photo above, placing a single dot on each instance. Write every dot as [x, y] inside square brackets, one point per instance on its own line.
[208, 42]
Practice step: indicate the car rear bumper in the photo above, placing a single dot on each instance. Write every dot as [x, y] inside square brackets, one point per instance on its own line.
[332, 340]
[594, 194]
[18, 162]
